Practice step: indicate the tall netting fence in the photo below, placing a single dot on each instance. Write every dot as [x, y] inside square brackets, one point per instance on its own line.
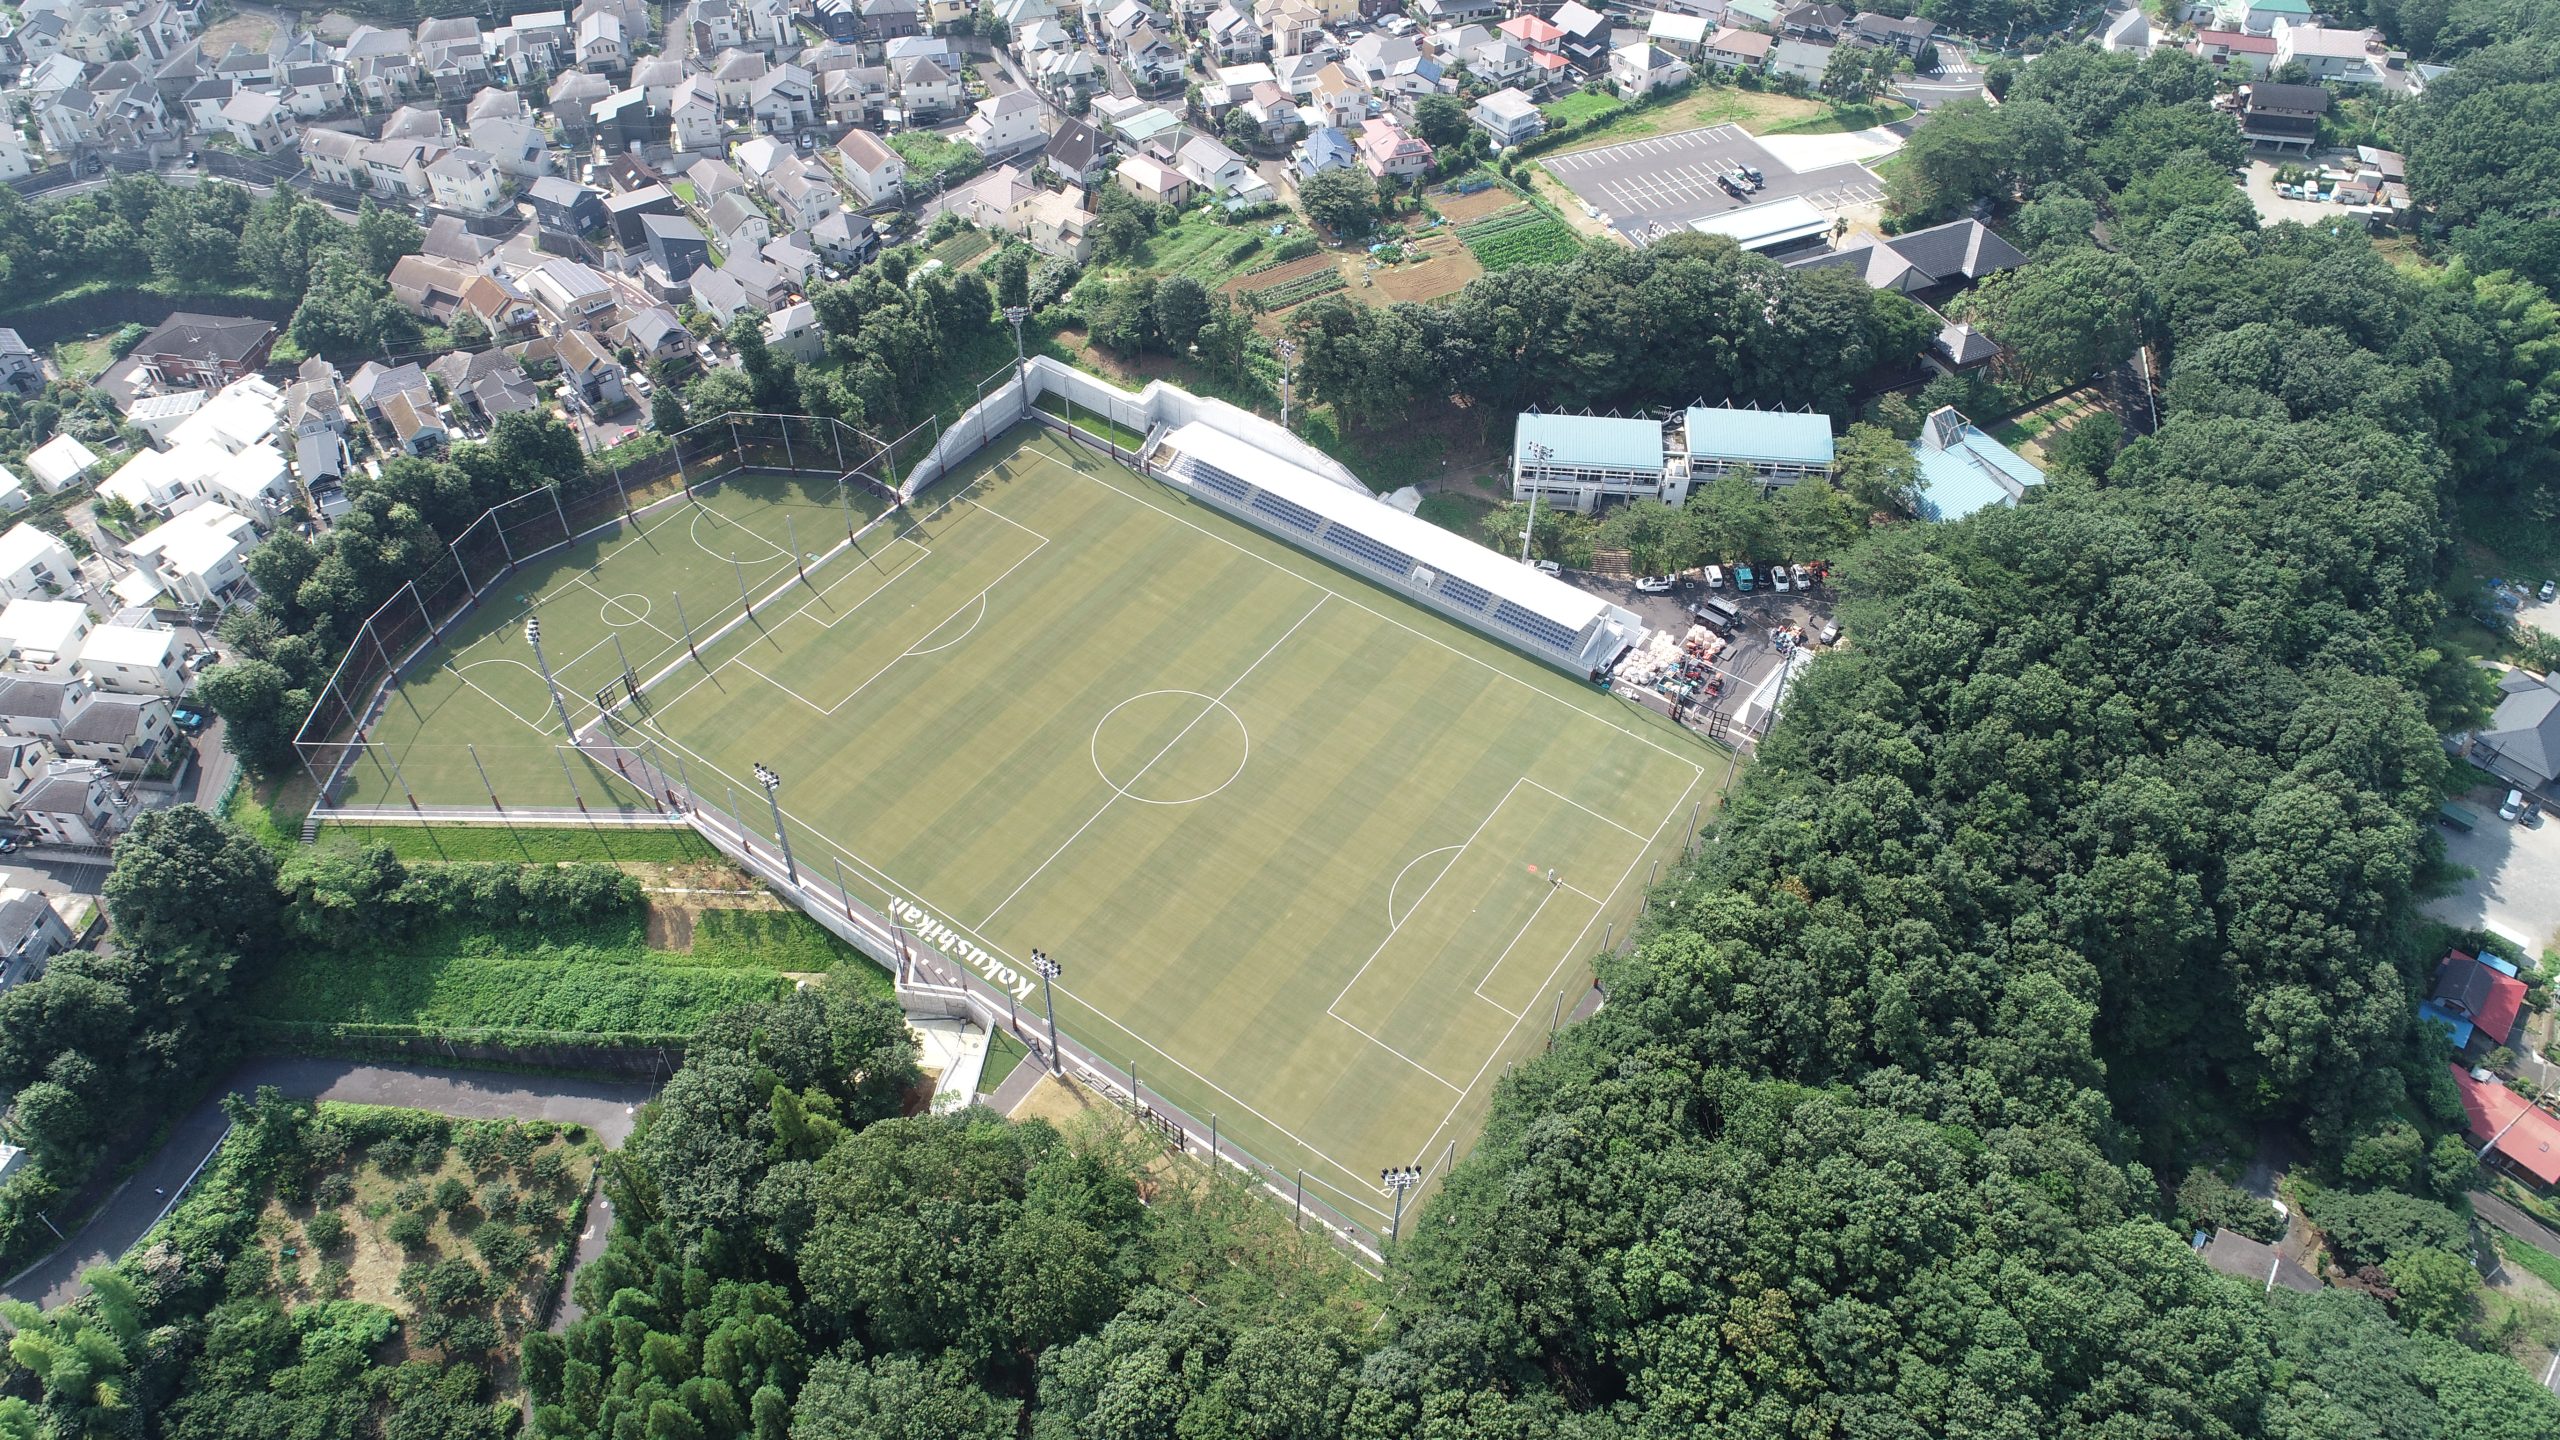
[618, 488]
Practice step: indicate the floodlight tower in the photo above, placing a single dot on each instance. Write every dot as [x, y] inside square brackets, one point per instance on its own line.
[1538, 455]
[772, 784]
[1014, 315]
[1049, 970]
[1398, 1180]
[533, 637]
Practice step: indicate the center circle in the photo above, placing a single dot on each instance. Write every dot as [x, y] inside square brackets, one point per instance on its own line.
[1169, 747]
[616, 608]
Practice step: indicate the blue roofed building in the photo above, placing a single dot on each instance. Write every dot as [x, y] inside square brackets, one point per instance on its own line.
[1963, 470]
[1582, 461]
[1775, 447]
[1327, 148]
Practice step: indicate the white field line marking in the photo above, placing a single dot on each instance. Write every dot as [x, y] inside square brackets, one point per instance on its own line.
[1585, 894]
[605, 599]
[1216, 702]
[540, 727]
[974, 622]
[980, 600]
[1585, 809]
[1571, 950]
[883, 880]
[1393, 920]
[1390, 619]
[801, 612]
[1516, 937]
[1419, 901]
[1409, 1060]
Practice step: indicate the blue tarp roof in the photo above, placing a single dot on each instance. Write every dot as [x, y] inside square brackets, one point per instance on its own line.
[1775, 436]
[2460, 1028]
[1594, 441]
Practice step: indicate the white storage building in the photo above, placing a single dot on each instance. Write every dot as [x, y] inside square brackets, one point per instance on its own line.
[1417, 559]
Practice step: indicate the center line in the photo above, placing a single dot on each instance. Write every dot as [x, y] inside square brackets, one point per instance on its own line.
[1204, 714]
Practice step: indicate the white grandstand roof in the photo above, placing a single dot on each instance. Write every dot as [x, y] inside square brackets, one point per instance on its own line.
[1443, 550]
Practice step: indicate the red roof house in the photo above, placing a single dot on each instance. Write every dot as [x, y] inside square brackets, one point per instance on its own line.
[2528, 1139]
[2481, 993]
[1533, 32]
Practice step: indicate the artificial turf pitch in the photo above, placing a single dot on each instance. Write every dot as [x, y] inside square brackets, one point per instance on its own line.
[1315, 859]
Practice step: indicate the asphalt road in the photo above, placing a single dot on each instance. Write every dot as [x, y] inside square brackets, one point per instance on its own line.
[605, 1107]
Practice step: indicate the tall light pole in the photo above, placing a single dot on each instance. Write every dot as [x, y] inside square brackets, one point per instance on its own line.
[1397, 1180]
[533, 637]
[1014, 315]
[1049, 970]
[1538, 455]
[1288, 352]
[772, 784]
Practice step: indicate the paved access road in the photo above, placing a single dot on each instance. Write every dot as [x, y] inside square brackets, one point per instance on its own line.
[605, 1107]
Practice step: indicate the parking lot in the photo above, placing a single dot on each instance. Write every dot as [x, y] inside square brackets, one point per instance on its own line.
[1662, 182]
[2514, 889]
[1752, 659]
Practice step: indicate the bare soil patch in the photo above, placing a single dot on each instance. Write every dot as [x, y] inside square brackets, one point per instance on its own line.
[1459, 209]
[1283, 273]
[1446, 272]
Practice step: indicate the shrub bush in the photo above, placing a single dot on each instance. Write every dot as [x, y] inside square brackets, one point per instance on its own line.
[325, 1230]
[452, 1194]
[408, 1230]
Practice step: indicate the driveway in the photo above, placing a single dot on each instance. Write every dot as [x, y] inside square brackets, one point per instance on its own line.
[2274, 208]
[606, 1107]
[2514, 888]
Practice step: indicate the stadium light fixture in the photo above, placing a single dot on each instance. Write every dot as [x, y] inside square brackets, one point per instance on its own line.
[533, 637]
[1399, 1180]
[772, 784]
[1014, 315]
[1049, 970]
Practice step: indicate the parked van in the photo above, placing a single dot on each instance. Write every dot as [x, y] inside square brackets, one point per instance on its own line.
[1715, 577]
[1717, 611]
[1742, 578]
[1830, 632]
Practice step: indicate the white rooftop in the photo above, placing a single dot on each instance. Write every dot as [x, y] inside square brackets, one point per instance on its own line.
[128, 645]
[1443, 550]
[61, 460]
[45, 628]
[23, 545]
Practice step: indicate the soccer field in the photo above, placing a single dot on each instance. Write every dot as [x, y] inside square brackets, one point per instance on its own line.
[1316, 860]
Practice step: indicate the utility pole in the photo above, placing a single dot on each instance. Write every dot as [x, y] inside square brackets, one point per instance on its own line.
[1288, 352]
[533, 637]
[772, 784]
[1049, 970]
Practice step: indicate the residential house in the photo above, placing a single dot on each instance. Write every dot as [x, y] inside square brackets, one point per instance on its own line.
[737, 288]
[466, 179]
[2475, 997]
[1152, 180]
[1232, 33]
[712, 179]
[2338, 57]
[1078, 153]
[793, 256]
[627, 211]
[501, 307]
[875, 171]
[658, 76]
[1907, 34]
[677, 247]
[44, 636]
[1739, 49]
[693, 115]
[427, 288]
[1387, 152]
[2515, 1135]
[1509, 117]
[516, 144]
[2127, 34]
[397, 169]
[260, 123]
[1324, 149]
[1056, 225]
[602, 44]
[565, 207]
[1152, 58]
[17, 161]
[736, 222]
[1294, 27]
[2260, 17]
[188, 350]
[573, 293]
[197, 556]
[1640, 67]
[1217, 170]
[1682, 35]
[21, 372]
[2521, 742]
[858, 94]
[1336, 99]
[34, 564]
[1274, 115]
[13, 491]
[31, 933]
[2282, 117]
[311, 91]
[1817, 22]
[1963, 470]
[590, 374]
[488, 383]
[624, 120]
[63, 460]
[1505, 62]
[804, 192]
[846, 239]
[926, 91]
[2235, 50]
[1583, 36]
[77, 805]
[784, 99]
[839, 20]
[659, 338]
[1006, 125]
[1930, 264]
[793, 333]
[885, 20]
[1804, 59]
[134, 660]
[573, 97]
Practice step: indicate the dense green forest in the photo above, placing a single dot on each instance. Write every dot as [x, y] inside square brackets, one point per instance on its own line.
[2095, 857]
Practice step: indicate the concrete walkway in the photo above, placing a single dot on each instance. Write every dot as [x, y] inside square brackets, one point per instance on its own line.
[607, 1108]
